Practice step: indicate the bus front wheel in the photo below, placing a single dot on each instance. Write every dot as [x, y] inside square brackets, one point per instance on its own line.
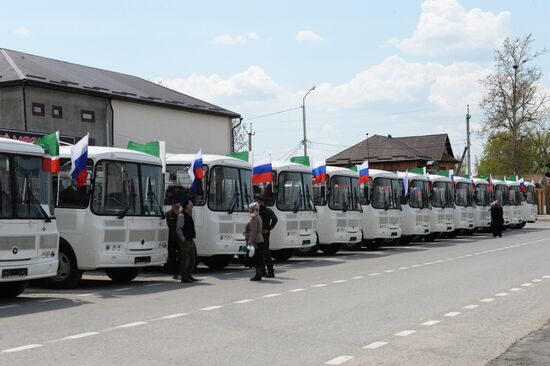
[304, 252]
[67, 276]
[373, 244]
[351, 246]
[282, 255]
[219, 261]
[9, 290]
[122, 275]
[330, 249]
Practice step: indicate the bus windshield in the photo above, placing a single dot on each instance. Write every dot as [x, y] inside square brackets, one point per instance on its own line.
[32, 196]
[482, 195]
[463, 194]
[385, 193]
[513, 196]
[126, 189]
[294, 191]
[501, 194]
[344, 194]
[179, 180]
[418, 194]
[442, 194]
[530, 196]
[230, 189]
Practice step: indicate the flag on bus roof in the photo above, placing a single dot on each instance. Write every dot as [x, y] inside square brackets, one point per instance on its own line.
[452, 176]
[522, 185]
[79, 161]
[304, 160]
[406, 184]
[50, 144]
[155, 148]
[364, 172]
[261, 171]
[196, 171]
[319, 171]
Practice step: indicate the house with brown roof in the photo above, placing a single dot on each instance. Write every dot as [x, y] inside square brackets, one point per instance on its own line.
[400, 153]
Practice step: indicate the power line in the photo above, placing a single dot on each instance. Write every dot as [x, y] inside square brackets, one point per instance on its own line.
[271, 114]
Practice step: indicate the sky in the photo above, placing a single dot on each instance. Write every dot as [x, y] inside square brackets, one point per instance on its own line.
[379, 67]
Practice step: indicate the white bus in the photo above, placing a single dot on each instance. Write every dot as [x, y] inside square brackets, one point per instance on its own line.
[529, 204]
[28, 231]
[514, 199]
[442, 199]
[463, 214]
[115, 222]
[290, 196]
[380, 199]
[220, 203]
[338, 211]
[501, 194]
[416, 205]
[482, 199]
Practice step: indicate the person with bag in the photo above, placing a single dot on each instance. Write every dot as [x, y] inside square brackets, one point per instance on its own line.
[269, 220]
[255, 241]
[186, 244]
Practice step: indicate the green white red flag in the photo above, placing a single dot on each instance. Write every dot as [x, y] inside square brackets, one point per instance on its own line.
[50, 144]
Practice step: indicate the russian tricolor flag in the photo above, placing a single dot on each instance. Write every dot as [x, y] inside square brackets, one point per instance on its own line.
[319, 172]
[452, 176]
[364, 172]
[522, 185]
[196, 171]
[79, 161]
[261, 171]
[490, 181]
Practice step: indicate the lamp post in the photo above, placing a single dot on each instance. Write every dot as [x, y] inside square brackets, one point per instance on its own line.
[304, 118]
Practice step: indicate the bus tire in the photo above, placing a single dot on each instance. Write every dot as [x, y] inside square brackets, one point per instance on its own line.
[431, 237]
[10, 290]
[122, 275]
[218, 261]
[522, 225]
[406, 239]
[68, 276]
[330, 249]
[306, 252]
[453, 234]
[282, 255]
[373, 244]
[351, 246]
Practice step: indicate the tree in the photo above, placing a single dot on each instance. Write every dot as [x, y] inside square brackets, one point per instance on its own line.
[240, 137]
[514, 103]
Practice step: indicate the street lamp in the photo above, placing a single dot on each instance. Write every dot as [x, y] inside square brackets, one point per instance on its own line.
[304, 118]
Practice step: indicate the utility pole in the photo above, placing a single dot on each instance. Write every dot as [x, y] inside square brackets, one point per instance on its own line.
[304, 118]
[468, 116]
[250, 134]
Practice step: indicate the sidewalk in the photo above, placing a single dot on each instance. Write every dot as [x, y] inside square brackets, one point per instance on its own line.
[543, 218]
[533, 349]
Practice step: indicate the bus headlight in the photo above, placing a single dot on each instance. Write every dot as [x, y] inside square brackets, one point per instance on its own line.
[107, 247]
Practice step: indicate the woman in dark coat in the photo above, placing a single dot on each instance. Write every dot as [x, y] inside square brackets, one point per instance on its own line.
[254, 237]
[497, 219]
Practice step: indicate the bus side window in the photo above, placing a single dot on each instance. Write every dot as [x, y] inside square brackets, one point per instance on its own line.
[69, 195]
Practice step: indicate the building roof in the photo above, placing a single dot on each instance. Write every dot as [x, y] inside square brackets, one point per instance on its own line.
[387, 149]
[18, 67]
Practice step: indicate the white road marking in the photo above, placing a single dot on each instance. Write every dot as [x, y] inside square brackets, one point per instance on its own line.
[375, 345]
[545, 276]
[405, 333]
[473, 306]
[122, 289]
[130, 325]
[431, 322]
[390, 271]
[357, 277]
[271, 295]
[86, 295]
[339, 281]
[488, 300]
[374, 274]
[22, 348]
[49, 300]
[502, 294]
[536, 280]
[81, 335]
[453, 313]
[320, 285]
[415, 265]
[172, 316]
[527, 284]
[244, 301]
[339, 360]
[515, 289]
[208, 308]
[8, 306]
[153, 284]
[403, 268]
[297, 290]
[427, 263]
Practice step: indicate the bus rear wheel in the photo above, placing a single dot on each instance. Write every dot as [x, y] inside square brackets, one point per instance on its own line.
[330, 249]
[282, 255]
[218, 261]
[9, 290]
[406, 239]
[67, 276]
[122, 275]
[452, 234]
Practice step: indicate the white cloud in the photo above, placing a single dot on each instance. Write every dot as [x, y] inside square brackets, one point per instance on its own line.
[22, 31]
[445, 25]
[227, 39]
[308, 36]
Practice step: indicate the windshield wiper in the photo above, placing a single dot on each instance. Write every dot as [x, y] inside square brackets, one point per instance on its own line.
[297, 203]
[156, 201]
[233, 203]
[30, 196]
[125, 210]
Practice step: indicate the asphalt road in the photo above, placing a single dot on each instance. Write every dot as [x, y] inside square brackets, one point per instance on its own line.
[454, 302]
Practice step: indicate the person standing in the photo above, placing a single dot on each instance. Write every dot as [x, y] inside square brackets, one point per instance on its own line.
[269, 220]
[254, 237]
[186, 243]
[172, 222]
[497, 219]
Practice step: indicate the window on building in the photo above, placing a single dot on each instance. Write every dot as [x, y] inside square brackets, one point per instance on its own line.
[87, 116]
[57, 111]
[38, 109]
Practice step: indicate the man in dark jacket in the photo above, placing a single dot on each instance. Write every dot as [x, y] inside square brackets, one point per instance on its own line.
[269, 221]
[172, 221]
[497, 219]
[186, 234]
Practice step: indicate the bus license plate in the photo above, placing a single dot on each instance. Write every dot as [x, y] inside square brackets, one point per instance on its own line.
[140, 260]
[353, 238]
[393, 234]
[305, 242]
[15, 273]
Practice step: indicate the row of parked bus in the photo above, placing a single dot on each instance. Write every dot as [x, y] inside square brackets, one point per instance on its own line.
[53, 231]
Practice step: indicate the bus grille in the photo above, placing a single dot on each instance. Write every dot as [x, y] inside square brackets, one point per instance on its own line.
[240, 228]
[22, 242]
[163, 235]
[353, 223]
[341, 223]
[306, 225]
[226, 228]
[48, 242]
[115, 236]
[147, 235]
[292, 225]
